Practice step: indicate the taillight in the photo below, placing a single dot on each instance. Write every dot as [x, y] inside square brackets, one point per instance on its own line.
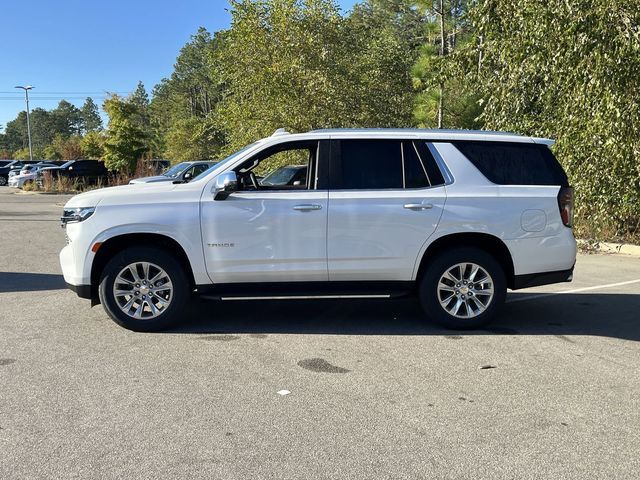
[565, 204]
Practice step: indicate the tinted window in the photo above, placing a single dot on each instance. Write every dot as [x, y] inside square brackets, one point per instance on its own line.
[415, 175]
[514, 163]
[370, 164]
[203, 167]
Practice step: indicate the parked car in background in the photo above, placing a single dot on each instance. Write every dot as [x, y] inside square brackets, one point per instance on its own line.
[27, 174]
[13, 166]
[156, 166]
[87, 171]
[182, 172]
[18, 169]
[55, 163]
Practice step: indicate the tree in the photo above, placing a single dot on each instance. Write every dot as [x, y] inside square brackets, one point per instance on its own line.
[66, 119]
[67, 148]
[444, 98]
[140, 98]
[301, 65]
[90, 116]
[21, 154]
[568, 71]
[193, 139]
[126, 140]
[92, 145]
[183, 104]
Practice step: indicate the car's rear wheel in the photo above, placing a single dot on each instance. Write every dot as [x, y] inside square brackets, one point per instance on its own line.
[463, 288]
[144, 289]
[3, 181]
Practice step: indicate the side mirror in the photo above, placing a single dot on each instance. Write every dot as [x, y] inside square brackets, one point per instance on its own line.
[226, 183]
[70, 168]
[187, 176]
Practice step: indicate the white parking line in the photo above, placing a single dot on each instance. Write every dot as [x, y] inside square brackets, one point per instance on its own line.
[575, 290]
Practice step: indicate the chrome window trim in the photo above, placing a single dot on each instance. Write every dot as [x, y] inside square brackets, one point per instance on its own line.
[446, 173]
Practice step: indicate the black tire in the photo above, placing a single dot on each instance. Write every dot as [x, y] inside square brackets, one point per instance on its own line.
[3, 180]
[428, 289]
[164, 260]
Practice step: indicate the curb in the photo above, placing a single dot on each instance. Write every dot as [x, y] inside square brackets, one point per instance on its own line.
[21, 192]
[612, 248]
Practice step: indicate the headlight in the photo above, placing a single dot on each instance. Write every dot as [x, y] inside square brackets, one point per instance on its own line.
[75, 215]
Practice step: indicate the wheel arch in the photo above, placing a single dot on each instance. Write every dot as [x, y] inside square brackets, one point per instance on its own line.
[487, 242]
[112, 246]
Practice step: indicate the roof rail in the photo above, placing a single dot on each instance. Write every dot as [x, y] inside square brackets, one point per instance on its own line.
[280, 131]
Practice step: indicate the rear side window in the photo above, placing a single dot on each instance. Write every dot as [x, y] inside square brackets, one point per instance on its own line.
[382, 164]
[370, 164]
[514, 163]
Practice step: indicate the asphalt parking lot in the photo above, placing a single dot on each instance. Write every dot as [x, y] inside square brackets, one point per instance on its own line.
[551, 390]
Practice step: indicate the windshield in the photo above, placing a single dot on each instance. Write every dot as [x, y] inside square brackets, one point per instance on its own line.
[176, 170]
[224, 161]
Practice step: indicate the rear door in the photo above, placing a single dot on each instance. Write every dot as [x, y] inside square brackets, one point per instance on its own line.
[385, 200]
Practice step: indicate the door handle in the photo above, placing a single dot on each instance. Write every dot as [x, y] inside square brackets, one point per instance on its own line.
[418, 206]
[307, 207]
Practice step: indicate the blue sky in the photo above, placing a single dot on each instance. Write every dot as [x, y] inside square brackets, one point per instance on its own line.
[73, 49]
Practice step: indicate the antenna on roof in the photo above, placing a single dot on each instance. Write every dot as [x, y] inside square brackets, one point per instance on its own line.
[280, 131]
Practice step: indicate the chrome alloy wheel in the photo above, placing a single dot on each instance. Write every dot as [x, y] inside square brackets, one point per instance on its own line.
[143, 290]
[465, 290]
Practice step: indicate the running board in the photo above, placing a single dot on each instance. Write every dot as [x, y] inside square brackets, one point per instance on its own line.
[296, 297]
[305, 290]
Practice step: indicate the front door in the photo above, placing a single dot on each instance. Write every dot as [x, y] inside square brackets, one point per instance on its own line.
[274, 229]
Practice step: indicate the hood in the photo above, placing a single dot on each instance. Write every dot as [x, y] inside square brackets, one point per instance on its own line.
[122, 194]
[154, 179]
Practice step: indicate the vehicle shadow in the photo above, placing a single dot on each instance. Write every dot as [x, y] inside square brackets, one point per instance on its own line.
[30, 282]
[610, 315]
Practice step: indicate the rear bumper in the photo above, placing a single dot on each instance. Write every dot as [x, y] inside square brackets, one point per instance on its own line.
[83, 291]
[543, 278]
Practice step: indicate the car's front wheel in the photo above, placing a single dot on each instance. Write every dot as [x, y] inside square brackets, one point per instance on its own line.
[144, 289]
[463, 288]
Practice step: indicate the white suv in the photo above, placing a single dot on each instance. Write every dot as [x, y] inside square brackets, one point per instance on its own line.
[454, 216]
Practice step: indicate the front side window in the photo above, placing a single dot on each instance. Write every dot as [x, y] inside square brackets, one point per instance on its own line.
[282, 167]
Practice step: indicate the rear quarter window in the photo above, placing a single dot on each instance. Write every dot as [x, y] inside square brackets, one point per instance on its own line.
[514, 163]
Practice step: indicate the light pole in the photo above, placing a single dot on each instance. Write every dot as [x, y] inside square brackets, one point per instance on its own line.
[26, 89]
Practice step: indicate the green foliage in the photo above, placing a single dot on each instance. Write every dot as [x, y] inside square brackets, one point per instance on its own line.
[66, 119]
[68, 148]
[301, 65]
[182, 105]
[568, 70]
[90, 116]
[92, 145]
[22, 154]
[438, 83]
[126, 139]
[193, 139]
